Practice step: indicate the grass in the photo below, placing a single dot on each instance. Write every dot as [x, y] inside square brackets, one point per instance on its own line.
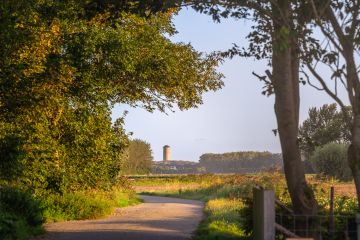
[223, 220]
[221, 195]
[22, 215]
[227, 198]
[85, 204]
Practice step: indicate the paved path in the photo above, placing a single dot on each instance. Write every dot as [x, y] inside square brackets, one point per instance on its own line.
[158, 218]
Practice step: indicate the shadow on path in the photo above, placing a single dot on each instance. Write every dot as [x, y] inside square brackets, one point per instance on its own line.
[158, 218]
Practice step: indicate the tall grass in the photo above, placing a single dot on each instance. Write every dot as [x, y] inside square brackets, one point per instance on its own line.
[223, 220]
[85, 204]
[22, 214]
[228, 198]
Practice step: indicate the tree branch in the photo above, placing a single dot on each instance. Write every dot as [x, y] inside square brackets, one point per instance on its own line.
[336, 26]
[310, 83]
[323, 30]
[324, 85]
[355, 20]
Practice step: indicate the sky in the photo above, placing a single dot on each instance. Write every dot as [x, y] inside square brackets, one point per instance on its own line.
[235, 118]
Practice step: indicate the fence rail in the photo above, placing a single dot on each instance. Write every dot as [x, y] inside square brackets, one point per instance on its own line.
[319, 225]
[288, 224]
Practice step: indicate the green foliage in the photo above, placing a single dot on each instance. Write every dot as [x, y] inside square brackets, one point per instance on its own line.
[324, 125]
[240, 162]
[65, 65]
[11, 154]
[20, 215]
[223, 220]
[139, 158]
[85, 204]
[227, 212]
[331, 160]
[228, 199]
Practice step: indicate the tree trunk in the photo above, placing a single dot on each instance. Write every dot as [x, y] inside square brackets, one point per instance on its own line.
[347, 43]
[354, 154]
[285, 80]
[354, 148]
[353, 83]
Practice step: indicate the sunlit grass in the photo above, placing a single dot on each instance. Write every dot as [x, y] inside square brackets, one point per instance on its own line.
[85, 204]
[226, 214]
[223, 220]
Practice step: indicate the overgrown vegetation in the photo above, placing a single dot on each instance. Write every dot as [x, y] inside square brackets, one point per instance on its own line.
[138, 158]
[20, 215]
[228, 198]
[85, 204]
[324, 125]
[64, 66]
[331, 160]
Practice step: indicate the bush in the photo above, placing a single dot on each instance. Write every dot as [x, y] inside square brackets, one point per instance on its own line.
[20, 215]
[331, 160]
[85, 204]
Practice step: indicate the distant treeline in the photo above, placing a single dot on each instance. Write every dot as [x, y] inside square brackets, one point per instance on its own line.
[232, 162]
[176, 167]
[240, 162]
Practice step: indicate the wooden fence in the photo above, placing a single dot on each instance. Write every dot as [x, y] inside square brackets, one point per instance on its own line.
[267, 223]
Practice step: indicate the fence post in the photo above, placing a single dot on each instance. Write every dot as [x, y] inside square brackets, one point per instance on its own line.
[331, 214]
[263, 214]
[357, 218]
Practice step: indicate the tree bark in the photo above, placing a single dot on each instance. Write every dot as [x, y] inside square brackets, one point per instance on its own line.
[354, 96]
[354, 154]
[346, 41]
[285, 79]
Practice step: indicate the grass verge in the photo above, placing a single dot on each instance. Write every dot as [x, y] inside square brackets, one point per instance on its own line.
[22, 215]
[85, 204]
[228, 211]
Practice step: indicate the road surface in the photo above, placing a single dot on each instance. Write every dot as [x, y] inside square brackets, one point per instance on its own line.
[158, 218]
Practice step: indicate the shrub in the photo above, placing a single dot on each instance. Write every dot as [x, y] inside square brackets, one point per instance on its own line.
[20, 214]
[331, 160]
[85, 204]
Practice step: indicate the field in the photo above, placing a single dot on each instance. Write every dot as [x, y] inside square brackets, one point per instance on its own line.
[228, 209]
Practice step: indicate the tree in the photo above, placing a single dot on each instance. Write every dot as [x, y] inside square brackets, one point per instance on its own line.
[285, 81]
[331, 160]
[63, 66]
[324, 125]
[139, 158]
[338, 23]
[276, 37]
[240, 162]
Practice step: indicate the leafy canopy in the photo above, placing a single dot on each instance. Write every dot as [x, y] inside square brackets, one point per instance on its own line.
[65, 64]
[139, 158]
[324, 125]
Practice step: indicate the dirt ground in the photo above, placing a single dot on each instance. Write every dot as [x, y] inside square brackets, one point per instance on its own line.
[157, 218]
[345, 189]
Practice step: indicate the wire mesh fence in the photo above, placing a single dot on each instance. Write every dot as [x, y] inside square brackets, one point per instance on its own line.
[342, 227]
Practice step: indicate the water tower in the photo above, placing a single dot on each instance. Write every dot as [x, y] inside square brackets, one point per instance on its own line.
[166, 153]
